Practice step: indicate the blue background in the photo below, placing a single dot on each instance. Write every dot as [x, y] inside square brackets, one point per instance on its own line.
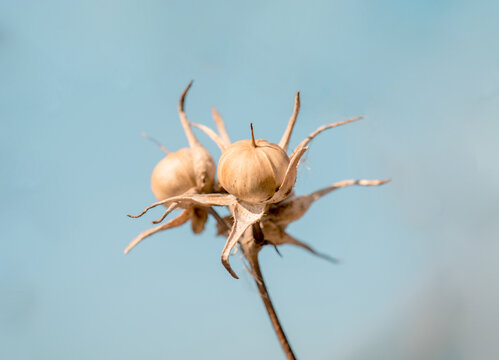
[79, 82]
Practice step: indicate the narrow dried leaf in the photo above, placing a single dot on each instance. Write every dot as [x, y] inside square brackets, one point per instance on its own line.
[293, 208]
[290, 177]
[288, 239]
[198, 199]
[212, 134]
[321, 129]
[172, 207]
[179, 220]
[320, 193]
[284, 143]
[219, 123]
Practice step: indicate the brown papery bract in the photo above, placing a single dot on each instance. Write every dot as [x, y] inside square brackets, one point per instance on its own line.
[187, 171]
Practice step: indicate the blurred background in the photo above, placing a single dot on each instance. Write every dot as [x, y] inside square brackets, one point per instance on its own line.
[80, 81]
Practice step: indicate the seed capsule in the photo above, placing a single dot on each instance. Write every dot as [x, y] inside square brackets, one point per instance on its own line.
[252, 170]
[173, 175]
[177, 173]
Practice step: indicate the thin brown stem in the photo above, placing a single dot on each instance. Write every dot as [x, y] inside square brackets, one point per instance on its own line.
[150, 138]
[251, 250]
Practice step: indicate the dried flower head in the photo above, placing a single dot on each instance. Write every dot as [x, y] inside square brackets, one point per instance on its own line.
[187, 171]
[250, 208]
[256, 184]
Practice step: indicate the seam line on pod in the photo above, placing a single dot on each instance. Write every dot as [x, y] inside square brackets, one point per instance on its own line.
[274, 170]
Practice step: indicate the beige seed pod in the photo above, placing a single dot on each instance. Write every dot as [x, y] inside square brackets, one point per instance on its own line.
[175, 174]
[186, 171]
[253, 171]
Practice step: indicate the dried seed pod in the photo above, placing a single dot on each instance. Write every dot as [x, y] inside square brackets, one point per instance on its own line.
[186, 171]
[252, 170]
[175, 174]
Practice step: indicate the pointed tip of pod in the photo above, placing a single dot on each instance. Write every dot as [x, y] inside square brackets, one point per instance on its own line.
[182, 97]
[252, 136]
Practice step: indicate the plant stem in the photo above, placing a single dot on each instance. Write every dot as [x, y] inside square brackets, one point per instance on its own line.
[251, 250]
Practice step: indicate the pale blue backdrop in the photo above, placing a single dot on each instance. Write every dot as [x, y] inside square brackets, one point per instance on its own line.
[79, 82]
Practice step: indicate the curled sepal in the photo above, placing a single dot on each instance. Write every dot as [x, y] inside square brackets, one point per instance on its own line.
[219, 123]
[196, 199]
[288, 239]
[295, 207]
[170, 208]
[245, 214]
[179, 220]
[191, 138]
[291, 124]
[190, 191]
[212, 135]
[320, 193]
[289, 178]
[321, 129]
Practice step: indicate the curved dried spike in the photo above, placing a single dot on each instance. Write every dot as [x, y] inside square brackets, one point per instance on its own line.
[213, 135]
[288, 239]
[179, 220]
[245, 215]
[199, 199]
[289, 178]
[172, 207]
[193, 141]
[150, 138]
[325, 127]
[190, 191]
[294, 208]
[320, 193]
[284, 143]
[219, 123]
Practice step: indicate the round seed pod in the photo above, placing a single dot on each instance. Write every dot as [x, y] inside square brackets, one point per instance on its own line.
[180, 171]
[252, 170]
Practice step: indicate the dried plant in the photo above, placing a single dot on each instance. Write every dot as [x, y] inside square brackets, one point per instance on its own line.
[256, 185]
[187, 171]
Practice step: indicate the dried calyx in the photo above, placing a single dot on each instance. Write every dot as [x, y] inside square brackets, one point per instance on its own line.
[257, 179]
[257, 176]
[187, 171]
